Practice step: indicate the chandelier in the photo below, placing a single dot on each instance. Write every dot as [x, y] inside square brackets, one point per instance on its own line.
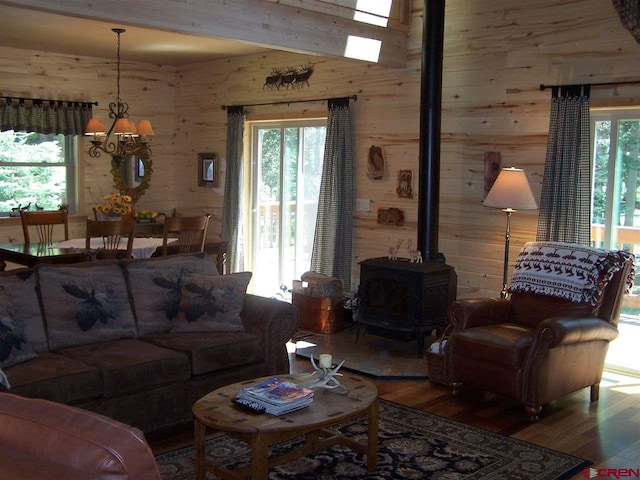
[123, 139]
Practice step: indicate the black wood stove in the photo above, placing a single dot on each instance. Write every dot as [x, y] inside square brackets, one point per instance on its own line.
[399, 298]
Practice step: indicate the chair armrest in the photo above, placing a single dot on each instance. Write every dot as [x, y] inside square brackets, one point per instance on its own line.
[476, 312]
[276, 322]
[566, 330]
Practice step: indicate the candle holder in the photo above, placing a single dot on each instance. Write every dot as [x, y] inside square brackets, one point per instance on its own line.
[327, 375]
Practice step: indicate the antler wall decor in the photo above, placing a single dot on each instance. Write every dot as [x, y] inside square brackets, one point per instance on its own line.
[288, 77]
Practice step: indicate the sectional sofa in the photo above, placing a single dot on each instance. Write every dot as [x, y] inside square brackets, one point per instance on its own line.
[137, 340]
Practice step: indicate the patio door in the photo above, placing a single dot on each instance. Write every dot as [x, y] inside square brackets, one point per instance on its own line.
[615, 215]
[286, 167]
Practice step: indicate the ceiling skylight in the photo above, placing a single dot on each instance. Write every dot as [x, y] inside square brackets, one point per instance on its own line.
[361, 48]
[374, 12]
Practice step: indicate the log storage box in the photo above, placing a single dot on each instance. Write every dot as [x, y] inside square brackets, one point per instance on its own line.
[319, 314]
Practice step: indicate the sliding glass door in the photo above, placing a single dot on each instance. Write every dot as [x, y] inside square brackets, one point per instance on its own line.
[615, 217]
[286, 168]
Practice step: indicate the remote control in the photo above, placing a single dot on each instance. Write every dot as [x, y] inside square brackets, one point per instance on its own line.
[248, 405]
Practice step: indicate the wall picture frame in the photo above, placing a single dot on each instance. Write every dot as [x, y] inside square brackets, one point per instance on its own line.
[208, 170]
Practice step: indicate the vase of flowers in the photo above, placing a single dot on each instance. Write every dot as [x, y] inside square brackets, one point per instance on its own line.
[114, 206]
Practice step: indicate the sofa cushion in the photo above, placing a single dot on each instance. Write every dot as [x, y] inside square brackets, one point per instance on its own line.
[131, 365]
[213, 351]
[156, 287]
[506, 344]
[212, 303]
[22, 332]
[85, 303]
[529, 309]
[56, 378]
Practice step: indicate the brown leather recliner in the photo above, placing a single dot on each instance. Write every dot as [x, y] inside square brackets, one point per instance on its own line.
[535, 348]
[40, 439]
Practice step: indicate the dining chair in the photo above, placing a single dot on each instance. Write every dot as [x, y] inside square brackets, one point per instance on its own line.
[190, 232]
[112, 233]
[44, 222]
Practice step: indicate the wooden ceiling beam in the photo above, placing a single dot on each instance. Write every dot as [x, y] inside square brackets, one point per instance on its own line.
[257, 22]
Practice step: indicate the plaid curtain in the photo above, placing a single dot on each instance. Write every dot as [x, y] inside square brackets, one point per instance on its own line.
[332, 243]
[232, 207]
[565, 203]
[629, 11]
[56, 117]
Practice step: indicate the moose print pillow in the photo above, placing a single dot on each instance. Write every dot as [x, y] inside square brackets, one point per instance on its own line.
[21, 327]
[156, 287]
[85, 304]
[212, 303]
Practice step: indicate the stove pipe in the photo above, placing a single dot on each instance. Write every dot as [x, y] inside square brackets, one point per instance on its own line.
[430, 111]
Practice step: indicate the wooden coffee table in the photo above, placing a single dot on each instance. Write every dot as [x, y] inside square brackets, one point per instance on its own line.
[215, 411]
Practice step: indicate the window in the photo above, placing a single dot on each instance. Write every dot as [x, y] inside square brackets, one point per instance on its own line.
[286, 169]
[36, 170]
[615, 217]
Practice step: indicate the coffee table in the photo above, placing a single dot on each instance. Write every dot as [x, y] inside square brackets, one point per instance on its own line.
[215, 411]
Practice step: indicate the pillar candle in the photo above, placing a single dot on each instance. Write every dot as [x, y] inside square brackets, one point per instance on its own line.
[325, 360]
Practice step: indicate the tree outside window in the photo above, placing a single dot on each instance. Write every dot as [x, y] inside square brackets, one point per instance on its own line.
[35, 170]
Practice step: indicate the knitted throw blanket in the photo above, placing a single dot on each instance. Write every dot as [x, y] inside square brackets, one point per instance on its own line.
[568, 271]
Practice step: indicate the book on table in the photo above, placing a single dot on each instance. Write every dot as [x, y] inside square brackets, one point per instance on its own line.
[277, 395]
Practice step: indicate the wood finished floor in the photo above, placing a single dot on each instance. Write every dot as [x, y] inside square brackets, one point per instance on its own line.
[607, 432]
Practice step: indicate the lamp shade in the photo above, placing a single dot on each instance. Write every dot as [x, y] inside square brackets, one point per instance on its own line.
[144, 128]
[122, 127]
[95, 127]
[511, 190]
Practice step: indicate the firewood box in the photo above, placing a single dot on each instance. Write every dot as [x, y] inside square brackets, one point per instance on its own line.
[319, 314]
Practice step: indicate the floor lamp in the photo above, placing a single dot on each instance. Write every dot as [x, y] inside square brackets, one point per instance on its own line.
[510, 192]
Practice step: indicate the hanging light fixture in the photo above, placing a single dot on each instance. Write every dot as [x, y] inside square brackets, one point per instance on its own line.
[129, 139]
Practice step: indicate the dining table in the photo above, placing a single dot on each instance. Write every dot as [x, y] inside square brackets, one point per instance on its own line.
[68, 251]
[143, 247]
[31, 254]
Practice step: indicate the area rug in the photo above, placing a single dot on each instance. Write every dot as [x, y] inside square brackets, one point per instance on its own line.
[372, 355]
[411, 445]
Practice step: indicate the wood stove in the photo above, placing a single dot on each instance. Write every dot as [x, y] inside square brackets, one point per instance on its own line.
[404, 300]
[396, 296]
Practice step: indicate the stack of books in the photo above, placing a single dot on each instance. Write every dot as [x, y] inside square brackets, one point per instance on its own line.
[277, 396]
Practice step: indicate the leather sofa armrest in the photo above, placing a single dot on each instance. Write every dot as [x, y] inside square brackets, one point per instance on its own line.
[72, 438]
[276, 322]
[567, 330]
[476, 312]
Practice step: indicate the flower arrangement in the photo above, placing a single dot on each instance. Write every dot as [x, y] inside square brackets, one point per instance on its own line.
[116, 205]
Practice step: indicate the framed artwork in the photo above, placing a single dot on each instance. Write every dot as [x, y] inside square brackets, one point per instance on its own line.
[208, 170]
[405, 184]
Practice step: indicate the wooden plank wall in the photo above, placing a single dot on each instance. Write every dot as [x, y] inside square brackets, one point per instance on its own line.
[497, 52]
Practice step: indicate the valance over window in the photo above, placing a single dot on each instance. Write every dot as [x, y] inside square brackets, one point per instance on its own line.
[44, 116]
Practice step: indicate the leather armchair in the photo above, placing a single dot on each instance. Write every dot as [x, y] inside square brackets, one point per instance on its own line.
[40, 439]
[534, 348]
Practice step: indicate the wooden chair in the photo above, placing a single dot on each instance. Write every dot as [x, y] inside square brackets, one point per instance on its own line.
[112, 233]
[44, 222]
[190, 232]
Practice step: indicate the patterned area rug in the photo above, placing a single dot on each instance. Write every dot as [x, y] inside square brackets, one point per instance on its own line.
[411, 445]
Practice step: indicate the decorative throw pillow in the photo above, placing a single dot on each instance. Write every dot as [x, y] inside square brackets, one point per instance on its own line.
[22, 332]
[212, 303]
[565, 270]
[85, 303]
[156, 287]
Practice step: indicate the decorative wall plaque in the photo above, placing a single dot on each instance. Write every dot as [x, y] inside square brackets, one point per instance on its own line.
[391, 216]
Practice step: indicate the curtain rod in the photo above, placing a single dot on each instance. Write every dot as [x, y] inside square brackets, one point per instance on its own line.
[630, 82]
[224, 107]
[22, 99]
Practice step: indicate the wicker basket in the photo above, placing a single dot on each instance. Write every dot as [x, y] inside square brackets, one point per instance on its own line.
[436, 366]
